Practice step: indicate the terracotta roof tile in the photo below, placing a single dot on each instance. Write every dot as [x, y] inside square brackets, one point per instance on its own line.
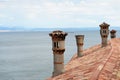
[96, 64]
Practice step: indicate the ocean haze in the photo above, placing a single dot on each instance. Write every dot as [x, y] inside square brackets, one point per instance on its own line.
[51, 29]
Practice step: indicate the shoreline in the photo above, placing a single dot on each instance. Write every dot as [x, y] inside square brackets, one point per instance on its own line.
[5, 31]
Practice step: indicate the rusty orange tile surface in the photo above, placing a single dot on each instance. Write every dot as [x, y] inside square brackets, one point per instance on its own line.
[96, 64]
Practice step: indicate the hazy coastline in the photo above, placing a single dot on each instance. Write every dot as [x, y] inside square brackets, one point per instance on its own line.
[5, 31]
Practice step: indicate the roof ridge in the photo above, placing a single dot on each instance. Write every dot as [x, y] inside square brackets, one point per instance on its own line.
[112, 63]
[102, 65]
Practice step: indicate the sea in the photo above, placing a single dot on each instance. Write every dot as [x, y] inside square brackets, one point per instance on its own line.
[29, 56]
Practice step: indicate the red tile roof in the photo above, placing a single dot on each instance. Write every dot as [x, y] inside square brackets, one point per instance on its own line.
[96, 64]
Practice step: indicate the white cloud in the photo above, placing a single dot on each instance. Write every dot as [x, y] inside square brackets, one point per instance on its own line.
[31, 16]
[49, 11]
[2, 5]
[2, 16]
[11, 18]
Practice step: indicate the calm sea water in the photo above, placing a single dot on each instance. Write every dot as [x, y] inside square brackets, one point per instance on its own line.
[28, 55]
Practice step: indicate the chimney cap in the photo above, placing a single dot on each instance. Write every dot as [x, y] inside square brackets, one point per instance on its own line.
[57, 32]
[58, 35]
[79, 35]
[113, 31]
[104, 25]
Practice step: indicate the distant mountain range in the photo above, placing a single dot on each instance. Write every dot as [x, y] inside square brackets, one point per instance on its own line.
[51, 29]
[12, 28]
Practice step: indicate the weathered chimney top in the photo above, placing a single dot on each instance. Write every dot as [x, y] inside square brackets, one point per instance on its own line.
[113, 31]
[104, 25]
[58, 35]
[79, 35]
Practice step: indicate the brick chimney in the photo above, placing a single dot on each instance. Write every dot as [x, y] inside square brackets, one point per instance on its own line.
[79, 42]
[104, 32]
[113, 33]
[58, 47]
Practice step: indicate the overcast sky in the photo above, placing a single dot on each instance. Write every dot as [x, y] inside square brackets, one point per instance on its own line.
[59, 13]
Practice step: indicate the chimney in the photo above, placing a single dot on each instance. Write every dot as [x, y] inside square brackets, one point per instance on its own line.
[113, 33]
[104, 32]
[79, 42]
[58, 47]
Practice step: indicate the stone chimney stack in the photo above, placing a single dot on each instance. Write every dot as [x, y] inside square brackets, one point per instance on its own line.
[79, 42]
[104, 32]
[58, 47]
[113, 33]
